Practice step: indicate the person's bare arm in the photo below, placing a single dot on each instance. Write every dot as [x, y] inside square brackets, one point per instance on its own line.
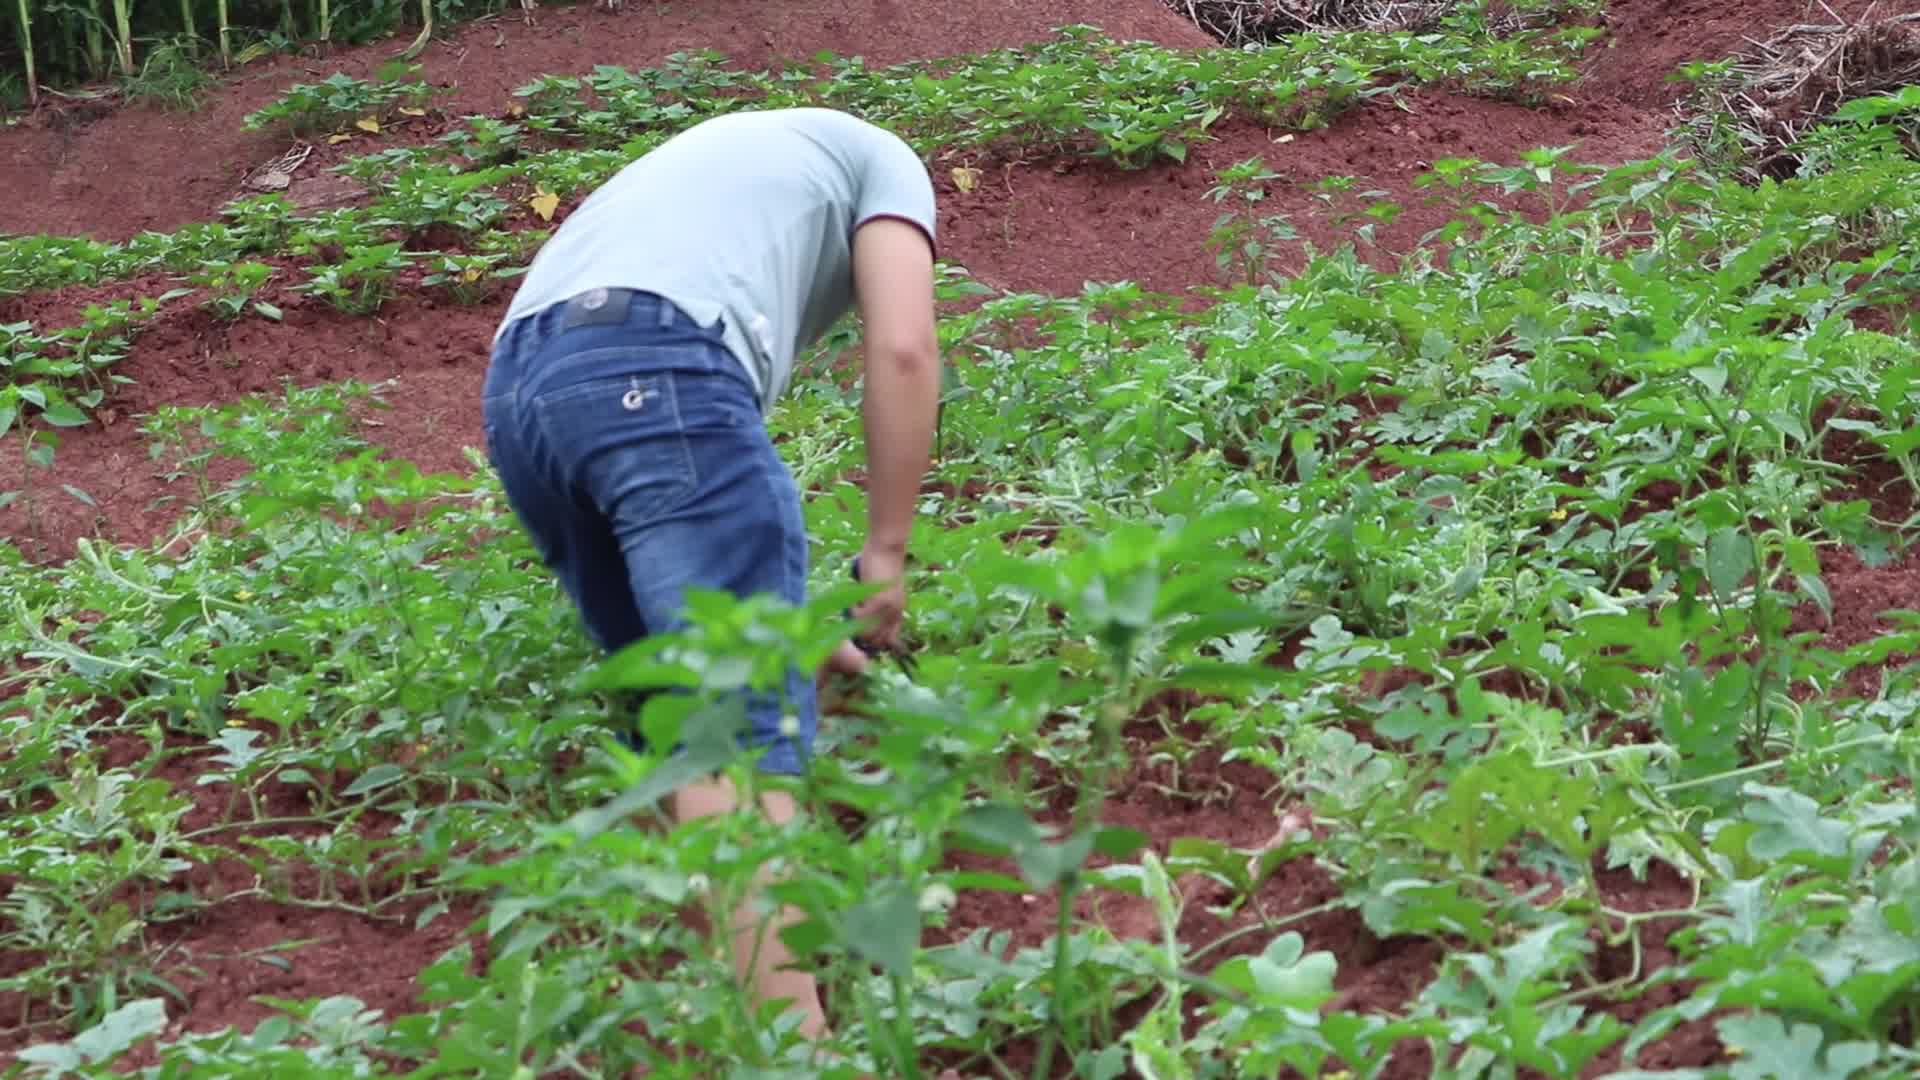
[893, 281]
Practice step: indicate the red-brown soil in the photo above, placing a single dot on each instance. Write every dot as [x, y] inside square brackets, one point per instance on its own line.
[245, 949]
[435, 354]
[1033, 225]
[118, 174]
[1053, 227]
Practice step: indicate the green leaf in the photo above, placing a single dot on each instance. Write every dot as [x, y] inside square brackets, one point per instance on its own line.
[1000, 827]
[1291, 980]
[373, 779]
[1284, 975]
[63, 414]
[1713, 378]
[1046, 865]
[885, 927]
[1770, 1050]
[982, 879]
[115, 1034]
[706, 751]
[1395, 904]
[1815, 589]
[275, 704]
[1729, 560]
[1704, 724]
[1194, 853]
[1880, 106]
[1790, 824]
[1116, 842]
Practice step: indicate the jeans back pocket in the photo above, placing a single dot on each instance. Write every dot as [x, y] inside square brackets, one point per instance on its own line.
[620, 440]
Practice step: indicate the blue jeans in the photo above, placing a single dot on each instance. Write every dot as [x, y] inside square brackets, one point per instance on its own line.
[633, 451]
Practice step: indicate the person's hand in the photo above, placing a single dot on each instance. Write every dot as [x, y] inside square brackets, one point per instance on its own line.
[836, 683]
[880, 615]
[846, 659]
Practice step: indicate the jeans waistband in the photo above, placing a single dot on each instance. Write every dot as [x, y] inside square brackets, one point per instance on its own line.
[603, 318]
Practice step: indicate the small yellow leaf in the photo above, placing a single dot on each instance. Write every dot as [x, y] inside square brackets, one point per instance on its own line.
[336, 140]
[368, 124]
[544, 203]
[516, 110]
[413, 112]
[474, 275]
[1284, 139]
[966, 179]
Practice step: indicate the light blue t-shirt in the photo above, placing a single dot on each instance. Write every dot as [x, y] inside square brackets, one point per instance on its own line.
[747, 217]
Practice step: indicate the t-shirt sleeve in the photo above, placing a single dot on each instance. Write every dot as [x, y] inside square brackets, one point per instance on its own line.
[896, 185]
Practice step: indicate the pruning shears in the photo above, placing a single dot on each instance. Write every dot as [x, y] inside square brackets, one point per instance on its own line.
[908, 665]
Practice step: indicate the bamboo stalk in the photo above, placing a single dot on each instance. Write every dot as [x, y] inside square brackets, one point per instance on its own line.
[123, 35]
[326, 21]
[226, 55]
[26, 50]
[187, 25]
[96, 51]
[426, 32]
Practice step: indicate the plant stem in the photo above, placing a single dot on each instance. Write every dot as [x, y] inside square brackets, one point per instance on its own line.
[1265, 926]
[123, 35]
[26, 52]
[1063, 928]
[1767, 766]
[1086, 814]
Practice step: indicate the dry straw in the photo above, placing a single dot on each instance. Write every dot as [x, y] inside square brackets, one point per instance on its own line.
[1779, 89]
[1242, 22]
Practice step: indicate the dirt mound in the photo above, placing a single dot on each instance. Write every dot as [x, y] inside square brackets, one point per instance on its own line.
[1054, 227]
[1649, 40]
[111, 176]
[435, 355]
[1792, 82]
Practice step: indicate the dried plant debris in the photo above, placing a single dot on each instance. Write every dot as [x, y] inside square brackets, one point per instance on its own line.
[1241, 22]
[1778, 90]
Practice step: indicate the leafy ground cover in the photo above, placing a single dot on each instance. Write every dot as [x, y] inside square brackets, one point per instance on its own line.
[1476, 650]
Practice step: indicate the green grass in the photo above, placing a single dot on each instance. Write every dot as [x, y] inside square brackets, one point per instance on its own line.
[1571, 485]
